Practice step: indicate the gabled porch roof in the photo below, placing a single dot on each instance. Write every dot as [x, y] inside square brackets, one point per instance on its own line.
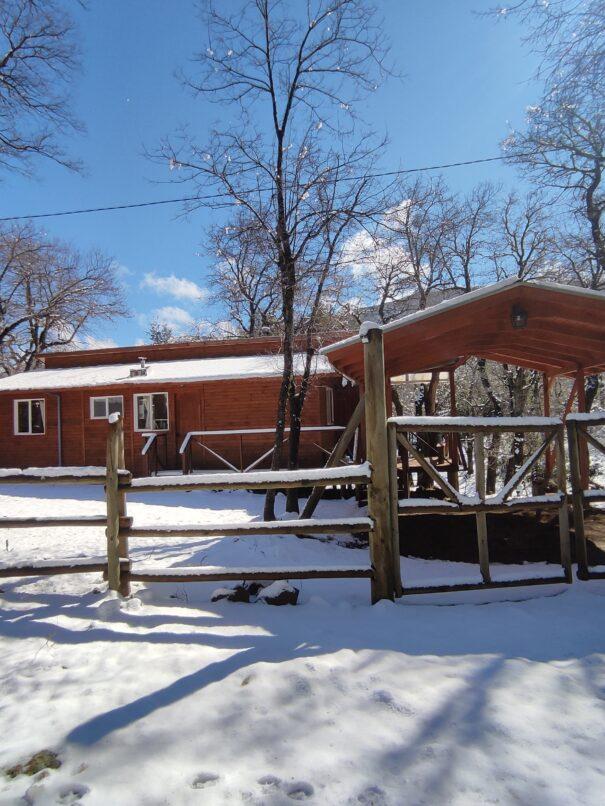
[559, 330]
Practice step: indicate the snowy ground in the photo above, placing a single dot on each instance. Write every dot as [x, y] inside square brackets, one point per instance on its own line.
[168, 699]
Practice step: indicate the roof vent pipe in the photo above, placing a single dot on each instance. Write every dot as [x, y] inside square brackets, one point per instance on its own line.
[141, 370]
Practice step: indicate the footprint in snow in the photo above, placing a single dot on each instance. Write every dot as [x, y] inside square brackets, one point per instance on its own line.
[72, 793]
[372, 796]
[205, 779]
[386, 698]
[300, 790]
[269, 781]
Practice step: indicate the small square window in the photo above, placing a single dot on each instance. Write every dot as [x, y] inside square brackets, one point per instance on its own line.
[29, 417]
[102, 407]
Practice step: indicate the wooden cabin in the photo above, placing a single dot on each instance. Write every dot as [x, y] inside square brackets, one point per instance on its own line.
[57, 416]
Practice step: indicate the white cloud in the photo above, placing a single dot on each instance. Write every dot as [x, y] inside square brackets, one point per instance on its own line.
[178, 287]
[172, 314]
[94, 343]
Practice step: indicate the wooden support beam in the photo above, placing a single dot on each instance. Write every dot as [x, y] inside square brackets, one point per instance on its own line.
[394, 489]
[337, 454]
[480, 517]
[518, 477]
[379, 500]
[550, 454]
[563, 509]
[450, 492]
[453, 439]
[583, 447]
[592, 440]
[577, 491]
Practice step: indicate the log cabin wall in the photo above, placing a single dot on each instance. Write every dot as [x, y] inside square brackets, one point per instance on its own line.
[211, 405]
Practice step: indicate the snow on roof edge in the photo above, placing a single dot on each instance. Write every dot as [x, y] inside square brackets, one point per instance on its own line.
[80, 377]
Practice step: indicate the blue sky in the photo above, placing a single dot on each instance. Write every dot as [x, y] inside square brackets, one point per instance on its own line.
[466, 81]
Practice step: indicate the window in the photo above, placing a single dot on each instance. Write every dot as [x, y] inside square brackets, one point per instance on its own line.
[102, 407]
[151, 412]
[29, 417]
[329, 406]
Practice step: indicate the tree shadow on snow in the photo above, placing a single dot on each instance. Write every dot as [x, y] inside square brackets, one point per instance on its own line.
[540, 630]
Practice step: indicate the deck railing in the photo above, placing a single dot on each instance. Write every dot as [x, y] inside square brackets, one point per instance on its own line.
[579, 437]
[400, 431]
[191, 438]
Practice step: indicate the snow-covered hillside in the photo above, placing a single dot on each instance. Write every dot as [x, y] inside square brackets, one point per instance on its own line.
[166, 698]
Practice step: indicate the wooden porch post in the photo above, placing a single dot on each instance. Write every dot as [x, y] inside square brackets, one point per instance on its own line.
[573, 440]
[379, 509]
[481, 517]
[583, 447]
[549, 458]
[454, 439]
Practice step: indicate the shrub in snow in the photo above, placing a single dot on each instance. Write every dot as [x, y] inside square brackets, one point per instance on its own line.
[279, 593]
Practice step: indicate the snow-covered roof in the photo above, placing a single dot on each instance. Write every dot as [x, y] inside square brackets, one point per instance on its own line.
[460, 301]
[160, 372]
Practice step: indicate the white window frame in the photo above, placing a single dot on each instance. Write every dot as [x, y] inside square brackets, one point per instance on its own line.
[29, 433]
[329, 405]
[107, 398]
[135, 398]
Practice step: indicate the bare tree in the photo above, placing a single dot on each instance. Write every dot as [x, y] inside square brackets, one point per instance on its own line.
[567, 35]
[563, 150]
[523, 245]
[471, 237]
[293, 73]
[38, 58]
[49, 295]
[244, 275]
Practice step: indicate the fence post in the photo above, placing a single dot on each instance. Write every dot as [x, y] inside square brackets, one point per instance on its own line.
[122, 537]
[577, 498]
[481, 517]
[115, 439]
[379, 509]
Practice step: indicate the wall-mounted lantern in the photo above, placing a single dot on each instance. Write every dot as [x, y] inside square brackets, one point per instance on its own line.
[518, 317]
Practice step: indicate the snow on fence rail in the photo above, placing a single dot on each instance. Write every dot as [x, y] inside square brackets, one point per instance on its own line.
[58, 475]
[578, 439]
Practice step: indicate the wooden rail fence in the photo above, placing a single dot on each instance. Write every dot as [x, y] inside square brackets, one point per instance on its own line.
[384, 438]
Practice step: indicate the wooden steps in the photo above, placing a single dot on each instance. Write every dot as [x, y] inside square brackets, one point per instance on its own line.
[307, 526]
[216, 573]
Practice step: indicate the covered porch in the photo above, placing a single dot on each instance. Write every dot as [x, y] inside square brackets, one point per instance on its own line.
[557, 331]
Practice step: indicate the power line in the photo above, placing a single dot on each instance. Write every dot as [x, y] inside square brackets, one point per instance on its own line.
[182, 199]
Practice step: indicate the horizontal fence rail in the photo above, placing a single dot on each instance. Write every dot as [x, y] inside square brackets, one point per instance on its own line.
[59, 475]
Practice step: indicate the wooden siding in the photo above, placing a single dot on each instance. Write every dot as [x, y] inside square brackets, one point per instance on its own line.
[218, 405]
